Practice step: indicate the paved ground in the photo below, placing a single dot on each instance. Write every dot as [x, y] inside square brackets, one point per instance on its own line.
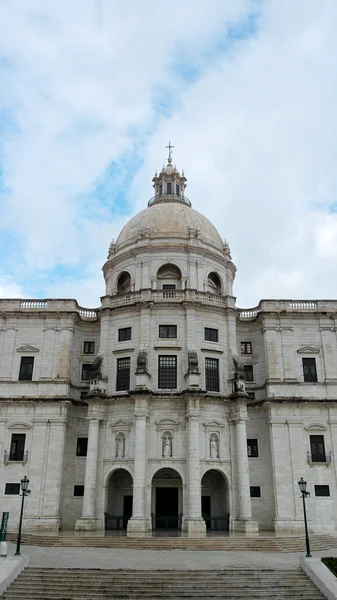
[114, 558]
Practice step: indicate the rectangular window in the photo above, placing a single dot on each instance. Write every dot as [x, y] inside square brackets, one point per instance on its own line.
[249, 373]
[212, 374]
[167, 372]
[169, 188]
[82, 446]
[160, 189]
[12, 488]
[89, 348]
[17, 449]
[322, 490]
[252, 448]
[26, 368]
[246, 347]
[169, 286]
[309, 369]
[123, 374]
[124, 334]
[255, 491]
[78, 490]
[177, 189]
[86, 373]
[211, 335]
[167, 331]
[317, 448]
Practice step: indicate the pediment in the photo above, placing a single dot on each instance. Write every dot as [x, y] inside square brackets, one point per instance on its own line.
[121, 423]
[168, 275]
[213, 424]
[308, 350]
[315, 427]
[167, 422]
[27, 348]
[19, 425]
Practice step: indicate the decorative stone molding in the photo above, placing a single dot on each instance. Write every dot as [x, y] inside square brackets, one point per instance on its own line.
[27, 348]
[19, 425]
[308, 350]
[316, 427]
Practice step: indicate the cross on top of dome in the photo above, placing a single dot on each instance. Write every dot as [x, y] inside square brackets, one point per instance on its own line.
[169, 185]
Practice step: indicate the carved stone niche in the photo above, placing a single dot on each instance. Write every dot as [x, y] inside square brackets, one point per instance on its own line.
[121, 439]
[166, 428]
[213, 431]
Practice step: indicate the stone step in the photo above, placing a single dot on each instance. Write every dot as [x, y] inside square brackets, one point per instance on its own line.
[85, 584]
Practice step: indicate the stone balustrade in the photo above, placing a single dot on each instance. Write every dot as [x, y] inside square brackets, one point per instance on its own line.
[249, 314]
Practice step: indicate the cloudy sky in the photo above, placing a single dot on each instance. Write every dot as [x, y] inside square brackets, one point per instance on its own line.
[91, 91]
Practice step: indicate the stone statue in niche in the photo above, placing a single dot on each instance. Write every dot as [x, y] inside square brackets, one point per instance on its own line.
[214, 447]
[141, 362]
[96, 367]
[120, 447]
[193, 365]
[167, 446]
[239, 377]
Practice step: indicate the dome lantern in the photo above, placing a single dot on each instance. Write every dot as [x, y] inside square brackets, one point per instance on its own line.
[169, 185]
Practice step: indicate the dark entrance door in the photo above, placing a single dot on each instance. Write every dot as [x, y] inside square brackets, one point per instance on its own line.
[127, 512]
[166, 508]
[206, 510]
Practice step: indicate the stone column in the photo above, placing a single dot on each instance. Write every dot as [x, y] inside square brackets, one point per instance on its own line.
[89, 520]
[194, 524]
[243, 521]
[139, 523]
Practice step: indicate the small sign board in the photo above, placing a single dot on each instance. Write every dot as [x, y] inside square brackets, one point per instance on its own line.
[4, 523]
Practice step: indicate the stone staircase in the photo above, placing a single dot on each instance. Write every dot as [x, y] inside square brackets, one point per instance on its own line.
[95, 584]
[230, 543]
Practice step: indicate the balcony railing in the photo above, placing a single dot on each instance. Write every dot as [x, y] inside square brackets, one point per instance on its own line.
[166, 296]
[319, 459]
[16, 458]
[169, 198]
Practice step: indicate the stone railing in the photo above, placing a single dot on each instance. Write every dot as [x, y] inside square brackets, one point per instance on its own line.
[166, 296]
[249, 314]
[48, 306]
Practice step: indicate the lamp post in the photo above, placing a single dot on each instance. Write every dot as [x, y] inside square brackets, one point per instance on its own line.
[25, 491]
[303, 489]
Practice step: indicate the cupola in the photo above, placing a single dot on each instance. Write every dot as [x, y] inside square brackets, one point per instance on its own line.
[169, 185]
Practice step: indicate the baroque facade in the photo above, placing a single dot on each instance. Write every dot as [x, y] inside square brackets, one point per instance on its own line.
[168, 406]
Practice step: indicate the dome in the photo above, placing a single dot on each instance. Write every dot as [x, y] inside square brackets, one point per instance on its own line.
[169, 220]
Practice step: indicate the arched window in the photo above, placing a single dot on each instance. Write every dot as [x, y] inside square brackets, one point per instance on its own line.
[213, 283]
[169, 277]
[124, 283]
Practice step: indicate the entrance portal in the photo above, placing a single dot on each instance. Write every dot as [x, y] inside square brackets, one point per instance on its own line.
[166, 500]
[214, 501]
[119, 504]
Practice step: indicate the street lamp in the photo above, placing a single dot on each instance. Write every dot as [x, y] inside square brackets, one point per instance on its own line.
[303, 489]
[25, 491]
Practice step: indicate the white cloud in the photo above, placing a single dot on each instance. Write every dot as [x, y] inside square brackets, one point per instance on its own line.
[255, 132]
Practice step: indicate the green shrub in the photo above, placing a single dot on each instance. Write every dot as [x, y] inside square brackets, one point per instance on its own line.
[331, 563]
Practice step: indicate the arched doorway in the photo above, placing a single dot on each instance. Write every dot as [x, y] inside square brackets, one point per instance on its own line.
[119, 502]
[214, 500]
[167, 499]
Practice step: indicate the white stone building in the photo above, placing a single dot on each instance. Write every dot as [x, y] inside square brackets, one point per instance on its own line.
[168, 406]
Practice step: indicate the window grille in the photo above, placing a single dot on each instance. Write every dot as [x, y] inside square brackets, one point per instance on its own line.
[246, 347]
[86, 373]
[211, 335]
[124, 334]
[167, 331]
[89, 348]
[123, 374]
[12, 488]
[252, 448]
[167, 372]
[212, 374]
[317, 448]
